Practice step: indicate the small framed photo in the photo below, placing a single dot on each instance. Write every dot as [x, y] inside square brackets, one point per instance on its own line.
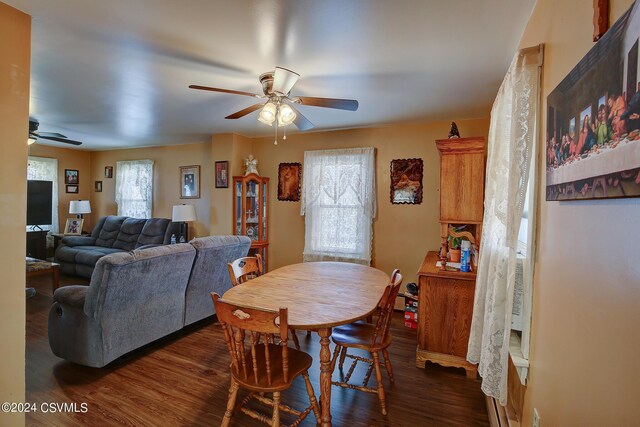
[222, 174]
[72, 189]
[98, 187]
[190, 182]
[108, 171]
[289, 177]
[73, 227]
[71, 176]
[406, 181]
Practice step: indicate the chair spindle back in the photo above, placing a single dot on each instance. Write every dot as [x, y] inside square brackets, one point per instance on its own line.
[387, 302]
[244, 269]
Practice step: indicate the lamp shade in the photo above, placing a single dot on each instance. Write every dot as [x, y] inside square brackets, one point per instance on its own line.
[79, 207]
[183, 213]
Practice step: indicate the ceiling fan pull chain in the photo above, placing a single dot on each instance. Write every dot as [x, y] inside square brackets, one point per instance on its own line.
[275, 140]
[284, 133]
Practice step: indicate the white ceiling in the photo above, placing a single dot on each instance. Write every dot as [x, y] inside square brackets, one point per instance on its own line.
[115, 73]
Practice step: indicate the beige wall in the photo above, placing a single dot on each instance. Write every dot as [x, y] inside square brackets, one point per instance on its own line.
[15, 52]
[69, 159]
[166, 180]
[402, 233]
[585, 344]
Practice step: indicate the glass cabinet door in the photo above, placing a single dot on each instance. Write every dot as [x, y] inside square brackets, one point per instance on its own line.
[238, 219]
[252, 209]
[264, 211]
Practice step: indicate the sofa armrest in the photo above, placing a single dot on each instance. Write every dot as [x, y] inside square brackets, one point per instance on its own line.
[72, 296]
[78, 241]
[147, 246]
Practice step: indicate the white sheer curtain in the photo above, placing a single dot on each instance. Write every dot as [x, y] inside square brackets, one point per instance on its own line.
[44, 169]
[511, 137]
[134, 188]
[339, 204]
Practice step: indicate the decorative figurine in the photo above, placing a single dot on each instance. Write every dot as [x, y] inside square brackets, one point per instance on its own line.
[250, 165]
[453, 133]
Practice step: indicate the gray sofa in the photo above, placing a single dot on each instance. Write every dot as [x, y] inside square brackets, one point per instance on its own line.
[78, 255]
[137, 297]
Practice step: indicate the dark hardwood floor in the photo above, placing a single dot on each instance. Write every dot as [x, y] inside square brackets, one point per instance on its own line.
[183, 380]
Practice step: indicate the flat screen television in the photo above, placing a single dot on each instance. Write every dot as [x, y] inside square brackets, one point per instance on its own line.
[39, 202]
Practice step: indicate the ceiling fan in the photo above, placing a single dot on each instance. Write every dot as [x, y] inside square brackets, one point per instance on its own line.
[53, 136]
[279, 105]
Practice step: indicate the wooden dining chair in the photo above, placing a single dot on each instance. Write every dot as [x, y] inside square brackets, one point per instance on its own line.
[246, 268]
[263, 367]
[373, 338]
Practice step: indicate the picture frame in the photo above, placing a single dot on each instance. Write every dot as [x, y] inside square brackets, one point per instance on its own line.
[98, 186]
[222, 174]
[71, 176]
[406, 181]
[73, 227]
[73, 189]
[108, 171]
[289, 179]
[190, 182]
[592, 146]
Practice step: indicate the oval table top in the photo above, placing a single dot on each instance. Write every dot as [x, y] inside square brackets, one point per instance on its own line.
[317, 294]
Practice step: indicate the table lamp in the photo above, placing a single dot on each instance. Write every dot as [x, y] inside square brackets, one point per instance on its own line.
[79, 207]
[183, 214]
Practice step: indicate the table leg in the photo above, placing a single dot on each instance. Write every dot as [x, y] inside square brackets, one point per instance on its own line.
[325, 377]
[55, 276]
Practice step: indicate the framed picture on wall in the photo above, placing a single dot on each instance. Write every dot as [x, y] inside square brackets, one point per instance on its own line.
[289, 177]
[222, 174]
[406, 181]
[98, 186]
[190, 182]
[108, 171]
[73, 227]
[71, 189]
[71, 176]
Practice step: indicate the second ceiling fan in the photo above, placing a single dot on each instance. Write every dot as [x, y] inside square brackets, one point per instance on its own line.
[279, 106]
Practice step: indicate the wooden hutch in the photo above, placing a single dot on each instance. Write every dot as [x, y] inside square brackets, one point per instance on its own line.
[446, 296]
[250, 198]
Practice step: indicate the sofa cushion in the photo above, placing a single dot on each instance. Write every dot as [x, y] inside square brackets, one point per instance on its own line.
[129, 233]
[91, 256]
[66, 254]
[109, 231]
[153, 232]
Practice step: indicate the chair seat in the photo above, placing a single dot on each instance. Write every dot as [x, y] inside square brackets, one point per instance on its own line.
[358, 335]
[299, 362]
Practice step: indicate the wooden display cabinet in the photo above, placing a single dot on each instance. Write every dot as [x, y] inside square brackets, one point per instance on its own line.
[250, 213]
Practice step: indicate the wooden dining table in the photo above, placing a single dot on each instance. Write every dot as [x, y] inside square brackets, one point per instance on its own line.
[319, 296]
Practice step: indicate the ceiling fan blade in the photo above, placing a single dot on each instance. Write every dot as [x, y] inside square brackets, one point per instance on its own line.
[216, 89]
[244, 112]
[65, 140]
[340, 104]
[53, 134]
[284, 80]
[301, 121]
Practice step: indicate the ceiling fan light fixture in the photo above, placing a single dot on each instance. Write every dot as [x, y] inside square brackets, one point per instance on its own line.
[268, 113]
[286, 115]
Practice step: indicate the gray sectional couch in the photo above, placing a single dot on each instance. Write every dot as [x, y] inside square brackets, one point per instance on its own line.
[78, 255]
[137, 297]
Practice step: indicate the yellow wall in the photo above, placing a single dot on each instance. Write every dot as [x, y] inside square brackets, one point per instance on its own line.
[166, 180]
[402, 233]
[69, 159]
[15, 52]
[585, 344]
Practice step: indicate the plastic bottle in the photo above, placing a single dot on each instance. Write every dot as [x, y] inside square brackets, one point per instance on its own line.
[465, 258]
[173, 239]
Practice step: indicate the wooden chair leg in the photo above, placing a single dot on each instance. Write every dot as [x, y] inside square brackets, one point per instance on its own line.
[343, 355]
[381, 397]
[275, 421]
[231, 403]
[312, 397]
[387, 364]
[295, 339]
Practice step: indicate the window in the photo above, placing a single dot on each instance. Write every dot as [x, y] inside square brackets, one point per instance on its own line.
[43, 169]
[134, 188]
[339, 204]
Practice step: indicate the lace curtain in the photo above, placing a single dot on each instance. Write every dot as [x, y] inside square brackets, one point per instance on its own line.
[511, 138]
[44, 169]
[339, 204]
[134, 188]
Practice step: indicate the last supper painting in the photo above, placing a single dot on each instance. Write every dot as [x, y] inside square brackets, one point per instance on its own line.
[593, 120]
